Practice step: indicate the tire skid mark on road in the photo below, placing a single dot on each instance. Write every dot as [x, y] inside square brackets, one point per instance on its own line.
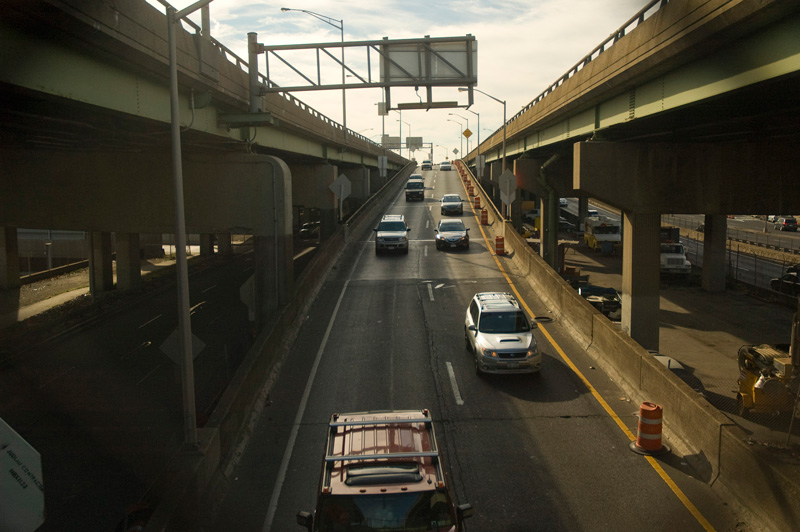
[54, 379]
[150, 321]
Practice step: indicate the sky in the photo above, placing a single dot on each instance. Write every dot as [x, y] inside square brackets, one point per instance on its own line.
[523, 47]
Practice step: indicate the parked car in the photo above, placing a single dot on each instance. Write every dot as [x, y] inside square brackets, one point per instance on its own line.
[788, 283]
[392, 234]
[605, 299]
[564, 224]
[383, 470]
[309, 230]
[452, 234]
[786, 224]
[499, 335]
[452, 204]
[445, 166]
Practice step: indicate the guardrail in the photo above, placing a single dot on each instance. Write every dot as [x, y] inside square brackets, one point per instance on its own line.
[651, 7]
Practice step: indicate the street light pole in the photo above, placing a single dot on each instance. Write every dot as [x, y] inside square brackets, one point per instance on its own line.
[467, 119]
[340, 27]
[478, 155]
[463, 89]
[401, 136]
[184, 316]
[461, 137]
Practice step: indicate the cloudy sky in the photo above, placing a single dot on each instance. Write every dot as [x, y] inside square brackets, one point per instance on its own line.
[523, 46]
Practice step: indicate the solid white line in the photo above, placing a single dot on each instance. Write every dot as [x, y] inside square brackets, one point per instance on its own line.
[456, 393]
[276, 490]
[430, 291]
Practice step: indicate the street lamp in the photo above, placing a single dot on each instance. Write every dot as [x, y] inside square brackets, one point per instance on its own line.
[401, 136]
[340, 27]
[181, 267]
[460, 136]
[463, 89]
[467, 119]
[478, 155]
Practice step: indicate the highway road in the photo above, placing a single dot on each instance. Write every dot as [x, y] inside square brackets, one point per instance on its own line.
[546, 452]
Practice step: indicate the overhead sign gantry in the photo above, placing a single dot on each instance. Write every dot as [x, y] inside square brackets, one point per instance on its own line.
[420, 63]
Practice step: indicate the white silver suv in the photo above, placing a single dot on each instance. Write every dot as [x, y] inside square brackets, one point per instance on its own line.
[500, 336]
[392, 234]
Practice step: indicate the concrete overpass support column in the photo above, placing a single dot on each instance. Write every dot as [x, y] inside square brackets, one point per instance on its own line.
[715, 240]
[640, 277]
[375, 180]
[309, 189]
[129, 270]
[101, 272]
[224, 243]
[206, 244]
[9, 258]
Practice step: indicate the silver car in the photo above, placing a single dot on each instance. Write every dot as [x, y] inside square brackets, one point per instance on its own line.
[452, 204]
[499, 335]
[392, 234]
[452, 234]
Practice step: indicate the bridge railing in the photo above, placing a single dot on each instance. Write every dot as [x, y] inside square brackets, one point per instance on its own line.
[633, 22]
[244, 66]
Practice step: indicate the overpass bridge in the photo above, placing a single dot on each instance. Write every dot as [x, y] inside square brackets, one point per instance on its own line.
[86, 142]
[690, 107]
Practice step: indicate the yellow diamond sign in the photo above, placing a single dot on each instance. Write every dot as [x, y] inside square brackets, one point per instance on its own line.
[467, 133]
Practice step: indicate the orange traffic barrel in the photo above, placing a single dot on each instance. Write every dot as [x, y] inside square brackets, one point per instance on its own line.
[471, 190]
[648, 438]
[477, 202]
[499, 245]
[484, 217]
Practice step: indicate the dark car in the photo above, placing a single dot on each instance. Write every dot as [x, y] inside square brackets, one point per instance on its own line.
[309, 230]
[605, 299]
[452, 234]
[451, 204]
[415, 190]
[786, 224]
[788, 283]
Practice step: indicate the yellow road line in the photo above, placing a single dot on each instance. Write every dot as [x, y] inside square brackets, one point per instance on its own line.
[653, 463]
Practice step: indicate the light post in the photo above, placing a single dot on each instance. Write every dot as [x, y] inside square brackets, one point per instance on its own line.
[463, 89]
[401, 136]
[462, 133]
[340, 27]
[461, 137]
[479, 137]
[184, 316]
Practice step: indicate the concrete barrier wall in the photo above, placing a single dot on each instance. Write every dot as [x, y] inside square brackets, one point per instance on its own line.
[715, 446]
[195, 477]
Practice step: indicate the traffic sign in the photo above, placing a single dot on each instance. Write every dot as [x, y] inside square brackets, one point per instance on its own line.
[21, 482]
[467, 133]
[508, 187]
[341, 187]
